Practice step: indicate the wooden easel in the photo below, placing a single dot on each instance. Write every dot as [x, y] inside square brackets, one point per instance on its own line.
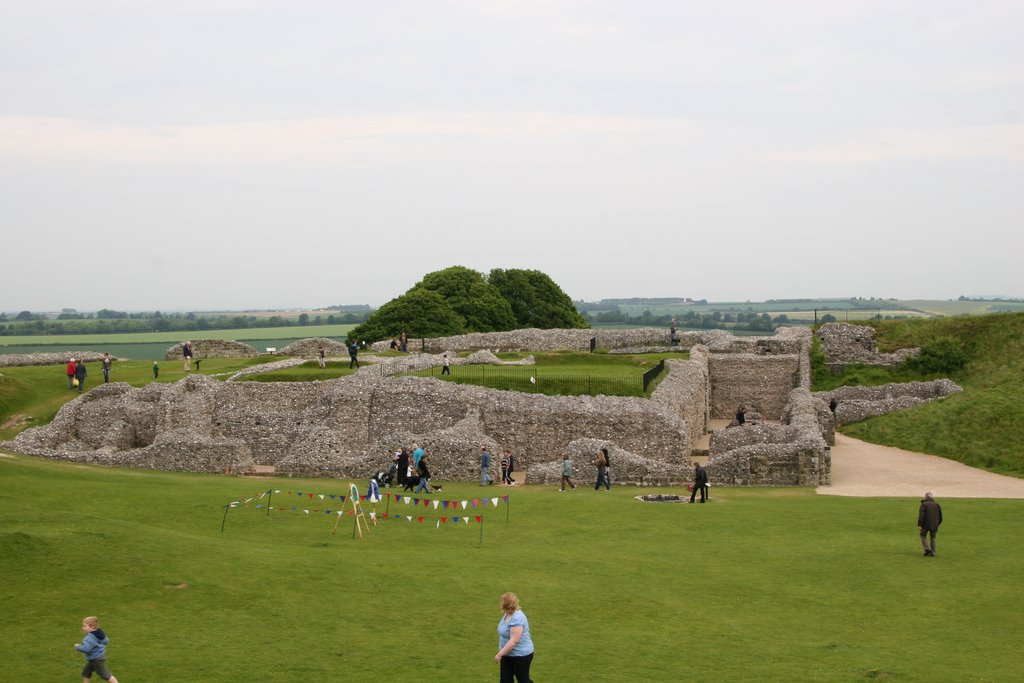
[357, 511]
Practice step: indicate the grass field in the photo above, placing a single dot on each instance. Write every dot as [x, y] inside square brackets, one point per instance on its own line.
[562, 373]
[760, 584]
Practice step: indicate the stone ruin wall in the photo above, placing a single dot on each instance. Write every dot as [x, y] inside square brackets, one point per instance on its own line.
[845, 344]
[859, 403]
[761, 383]
[310, 348]
[533, 339]
[10, 360]
[214, 348]
[793, 453]
[349, 427]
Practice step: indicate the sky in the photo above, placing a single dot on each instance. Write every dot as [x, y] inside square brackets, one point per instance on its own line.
[242, 154]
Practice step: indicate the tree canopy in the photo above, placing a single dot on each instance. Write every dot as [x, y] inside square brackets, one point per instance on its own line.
[536, 300]
[458, 300]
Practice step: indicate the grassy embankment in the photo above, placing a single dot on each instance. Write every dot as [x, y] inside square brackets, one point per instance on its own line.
[768, 585]
[983, 426]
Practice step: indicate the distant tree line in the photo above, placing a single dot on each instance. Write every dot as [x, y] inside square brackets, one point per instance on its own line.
[108, 321]
[750, 321]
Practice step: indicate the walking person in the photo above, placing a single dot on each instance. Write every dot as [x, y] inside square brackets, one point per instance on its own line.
[485, 467]
[515, 646]
[505, 481]
[106, 368]
[80, 374]
[567, 472]
[607, 468]
[353, 352]
[321, 361]
[511, 466]
[929, 517]
[186, 353]
[599, 463]
[70, 369]
[156, 369]
[402, 458]
[94, 647]
[700, 481]
[446, 365]
[424, 472]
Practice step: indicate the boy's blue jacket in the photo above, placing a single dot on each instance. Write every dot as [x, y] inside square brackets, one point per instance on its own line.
[94, 645]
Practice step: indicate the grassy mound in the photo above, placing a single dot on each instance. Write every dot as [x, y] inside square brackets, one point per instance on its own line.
[983, 426]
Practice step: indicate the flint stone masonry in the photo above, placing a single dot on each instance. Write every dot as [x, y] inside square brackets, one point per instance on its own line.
[10, 360]
[844, 344]
[214, 348]
[759, 382]
[626, 467]
[310, 348]
[394, 365]
[349, 427]
[794, 453]
[858, 403]
[533, 339]
[345, 427]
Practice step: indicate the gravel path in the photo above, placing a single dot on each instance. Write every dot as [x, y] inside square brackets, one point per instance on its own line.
[864, 469]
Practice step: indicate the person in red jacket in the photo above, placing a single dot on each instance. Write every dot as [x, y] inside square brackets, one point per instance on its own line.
[71, 374]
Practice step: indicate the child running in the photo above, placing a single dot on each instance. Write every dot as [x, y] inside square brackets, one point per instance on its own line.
[94, 647]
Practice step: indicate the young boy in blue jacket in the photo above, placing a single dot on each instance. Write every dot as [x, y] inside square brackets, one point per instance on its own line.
[94, 647]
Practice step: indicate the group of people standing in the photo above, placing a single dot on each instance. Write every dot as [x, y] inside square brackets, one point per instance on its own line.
[413, 467]
[507, 464]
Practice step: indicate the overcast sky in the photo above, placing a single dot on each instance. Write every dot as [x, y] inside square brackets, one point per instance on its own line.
[232, 154]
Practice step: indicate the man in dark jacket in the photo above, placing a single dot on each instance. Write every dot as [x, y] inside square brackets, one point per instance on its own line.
[929, 517]
[700, 481]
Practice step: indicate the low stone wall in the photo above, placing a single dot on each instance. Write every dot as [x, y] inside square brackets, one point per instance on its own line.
[858, 403]
[345, 427]
[794, 453]
[845, 344]
[310, 348]
[11, 360]
[533, 339]
[686, 389]
[214, 348]
[627, 468]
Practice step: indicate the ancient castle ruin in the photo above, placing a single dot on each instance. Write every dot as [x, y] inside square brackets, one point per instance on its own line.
[348, 427]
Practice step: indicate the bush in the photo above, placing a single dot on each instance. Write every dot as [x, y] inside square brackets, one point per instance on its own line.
[943, 356]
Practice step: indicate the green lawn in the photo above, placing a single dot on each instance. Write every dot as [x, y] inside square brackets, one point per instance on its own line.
[562, 373]
[760, 584]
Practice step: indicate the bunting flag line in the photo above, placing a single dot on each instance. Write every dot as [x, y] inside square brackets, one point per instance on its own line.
[340, 500]
[400, 498]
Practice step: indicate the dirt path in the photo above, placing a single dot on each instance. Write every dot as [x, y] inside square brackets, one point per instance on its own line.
[864, 469]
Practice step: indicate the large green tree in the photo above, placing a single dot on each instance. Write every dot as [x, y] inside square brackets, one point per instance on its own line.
[477, 301]
[457, 300]
[536, 300]
[419, 313]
